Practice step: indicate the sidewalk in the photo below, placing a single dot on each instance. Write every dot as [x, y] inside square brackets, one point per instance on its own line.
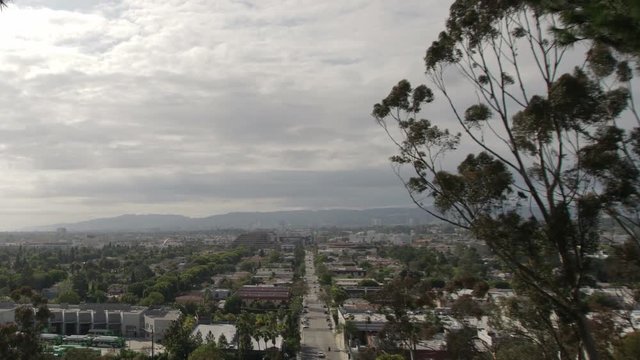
[339, 339]
[340, 344]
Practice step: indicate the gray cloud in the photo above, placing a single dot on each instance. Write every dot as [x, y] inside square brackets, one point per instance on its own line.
[200, 107]
[289, 189]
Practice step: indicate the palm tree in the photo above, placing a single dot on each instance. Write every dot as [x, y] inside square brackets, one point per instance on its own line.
[260, 330]
[245, 331]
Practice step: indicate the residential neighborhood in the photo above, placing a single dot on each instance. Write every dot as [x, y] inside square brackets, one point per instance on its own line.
[315, 295]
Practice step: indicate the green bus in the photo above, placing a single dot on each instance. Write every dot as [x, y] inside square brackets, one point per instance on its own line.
[108, 341]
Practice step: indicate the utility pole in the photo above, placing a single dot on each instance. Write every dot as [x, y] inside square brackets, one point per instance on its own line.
[152, 344]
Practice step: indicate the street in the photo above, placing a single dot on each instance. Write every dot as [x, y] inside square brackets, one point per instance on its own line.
[317, 336]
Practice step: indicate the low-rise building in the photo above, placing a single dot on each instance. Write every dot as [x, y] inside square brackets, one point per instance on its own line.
[7, 313]
[362, 291]
[362, 316]
[219, 294]
[261, 294]
[157, 321]
[115, 291]
[193, 297]
[266, 274]
[347, 271]
[117, 319]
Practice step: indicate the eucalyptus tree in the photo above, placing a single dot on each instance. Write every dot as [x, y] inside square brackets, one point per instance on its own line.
[397, 300]
[555, 142]
[615, 23]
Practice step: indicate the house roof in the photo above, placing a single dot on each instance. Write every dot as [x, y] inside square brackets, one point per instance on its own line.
[194, 298]
[264, 292]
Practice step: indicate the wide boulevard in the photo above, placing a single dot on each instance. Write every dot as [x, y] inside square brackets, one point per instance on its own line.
[318, 338]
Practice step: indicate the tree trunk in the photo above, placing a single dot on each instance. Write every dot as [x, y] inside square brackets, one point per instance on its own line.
[410, 350]
[588, 343]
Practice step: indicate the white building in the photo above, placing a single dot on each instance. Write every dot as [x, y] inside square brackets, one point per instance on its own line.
[7, 312]
[156, 322]
[119, 319]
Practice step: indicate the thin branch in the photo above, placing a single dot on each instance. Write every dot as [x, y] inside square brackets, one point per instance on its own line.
[512, 46]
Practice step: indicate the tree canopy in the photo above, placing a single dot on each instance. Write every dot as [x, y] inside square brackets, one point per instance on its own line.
[556, 141]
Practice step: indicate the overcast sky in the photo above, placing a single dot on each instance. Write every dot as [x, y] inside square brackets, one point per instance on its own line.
[200, 107]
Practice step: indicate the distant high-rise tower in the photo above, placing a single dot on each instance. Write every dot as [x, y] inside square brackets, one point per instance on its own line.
[257, 240]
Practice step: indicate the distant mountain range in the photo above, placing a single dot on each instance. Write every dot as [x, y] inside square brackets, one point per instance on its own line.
[250, 220]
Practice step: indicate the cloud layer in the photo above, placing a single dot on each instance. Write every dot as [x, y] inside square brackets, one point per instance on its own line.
[200, 107]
